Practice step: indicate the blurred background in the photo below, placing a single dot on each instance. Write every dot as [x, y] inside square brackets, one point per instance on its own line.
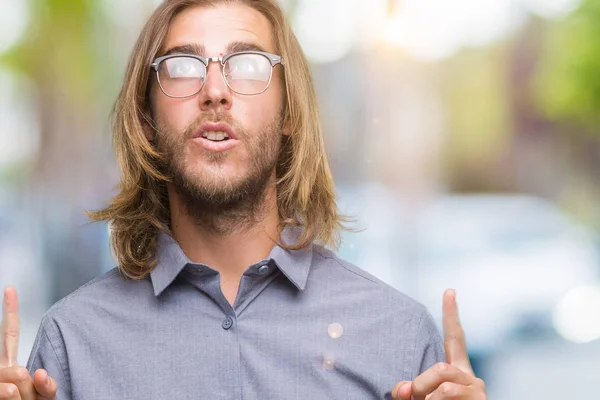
[464, 136]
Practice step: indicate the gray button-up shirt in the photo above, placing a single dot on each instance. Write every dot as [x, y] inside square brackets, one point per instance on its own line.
[305, 325]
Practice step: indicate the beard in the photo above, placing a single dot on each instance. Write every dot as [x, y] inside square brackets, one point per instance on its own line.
[215, 200]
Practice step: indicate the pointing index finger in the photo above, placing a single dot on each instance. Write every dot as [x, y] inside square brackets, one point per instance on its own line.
[9, 342]
[454, 336]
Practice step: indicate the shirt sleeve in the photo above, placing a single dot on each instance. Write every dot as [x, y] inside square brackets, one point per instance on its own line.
[49, 353]
[429, 348]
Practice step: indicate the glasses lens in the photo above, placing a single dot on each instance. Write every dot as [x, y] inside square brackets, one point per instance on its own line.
[248, 73]
[181, 76]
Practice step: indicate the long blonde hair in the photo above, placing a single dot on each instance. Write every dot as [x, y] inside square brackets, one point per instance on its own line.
[305, 188]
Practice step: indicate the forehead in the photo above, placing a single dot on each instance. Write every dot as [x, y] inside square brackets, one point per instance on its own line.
[215, 27]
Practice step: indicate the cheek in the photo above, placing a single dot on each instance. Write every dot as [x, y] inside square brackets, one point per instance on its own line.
[259, 111]
[177, 114]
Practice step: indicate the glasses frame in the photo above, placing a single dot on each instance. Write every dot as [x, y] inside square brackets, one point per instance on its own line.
[273, 59]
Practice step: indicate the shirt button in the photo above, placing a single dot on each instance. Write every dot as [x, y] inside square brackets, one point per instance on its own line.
[263, 270]
[228, 323]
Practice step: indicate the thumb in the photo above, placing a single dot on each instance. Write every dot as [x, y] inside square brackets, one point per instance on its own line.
[402, 390]
[45, 386]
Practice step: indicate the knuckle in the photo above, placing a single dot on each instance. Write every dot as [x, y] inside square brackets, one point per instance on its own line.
[7, 391]
[441, 367]
[11, 334]
[454, 337]
[13, 376]
[417, 388]
[480, 383]
[414, 388]
[22, 374]
[448, 389]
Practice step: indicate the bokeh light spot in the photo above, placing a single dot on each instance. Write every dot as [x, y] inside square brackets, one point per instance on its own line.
[577, 314]
[328, 362]
[335, 330]
[14, 16]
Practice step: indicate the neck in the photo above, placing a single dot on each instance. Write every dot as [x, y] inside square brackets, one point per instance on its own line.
[228, 239]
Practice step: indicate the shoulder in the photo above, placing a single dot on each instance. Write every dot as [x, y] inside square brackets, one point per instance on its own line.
[399, 324]
[97, 296]
[348, 287]
[328, 265]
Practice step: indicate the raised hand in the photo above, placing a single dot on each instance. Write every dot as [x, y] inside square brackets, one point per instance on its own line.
[453, 379]
[15, 382]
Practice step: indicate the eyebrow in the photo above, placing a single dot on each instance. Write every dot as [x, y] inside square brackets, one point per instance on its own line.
[234, 47]
[198, 49]
[186, 49]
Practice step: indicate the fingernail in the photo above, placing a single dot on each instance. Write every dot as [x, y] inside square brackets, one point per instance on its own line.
[47, 380]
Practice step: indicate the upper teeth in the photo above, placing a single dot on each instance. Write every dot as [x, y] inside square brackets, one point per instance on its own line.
[215, 135]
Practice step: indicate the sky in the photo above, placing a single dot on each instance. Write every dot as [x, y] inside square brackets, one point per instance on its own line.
[426, 29]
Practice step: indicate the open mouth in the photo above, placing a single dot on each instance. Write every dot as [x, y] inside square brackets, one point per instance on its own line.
[216, 136]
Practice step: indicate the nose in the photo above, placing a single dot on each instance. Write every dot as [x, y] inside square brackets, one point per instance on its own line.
[215, 95]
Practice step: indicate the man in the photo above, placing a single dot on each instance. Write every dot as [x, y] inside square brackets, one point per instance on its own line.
[224, 289]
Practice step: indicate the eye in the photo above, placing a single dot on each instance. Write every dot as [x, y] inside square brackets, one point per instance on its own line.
[248, 66]
[242, 66]
[184, 67]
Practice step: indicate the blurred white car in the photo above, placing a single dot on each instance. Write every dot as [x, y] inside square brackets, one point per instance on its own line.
[510, 257]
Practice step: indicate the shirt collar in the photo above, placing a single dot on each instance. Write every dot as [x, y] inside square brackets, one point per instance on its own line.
[171, 260]
[295, 264]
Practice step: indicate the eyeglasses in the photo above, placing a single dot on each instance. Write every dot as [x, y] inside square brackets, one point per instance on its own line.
[245, 72]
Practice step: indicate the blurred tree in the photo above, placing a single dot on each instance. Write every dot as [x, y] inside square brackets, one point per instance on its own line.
[476, 91]
[567, 91]
[569, 80]
[67, 52]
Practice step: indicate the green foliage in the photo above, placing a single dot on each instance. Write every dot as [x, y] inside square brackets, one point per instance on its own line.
[475, 91]
[569, 80]
[59, 50]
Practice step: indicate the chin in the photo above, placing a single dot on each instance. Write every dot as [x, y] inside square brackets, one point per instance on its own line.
[214, 177]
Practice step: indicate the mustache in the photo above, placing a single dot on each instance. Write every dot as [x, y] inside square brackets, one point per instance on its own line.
[215, 117]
